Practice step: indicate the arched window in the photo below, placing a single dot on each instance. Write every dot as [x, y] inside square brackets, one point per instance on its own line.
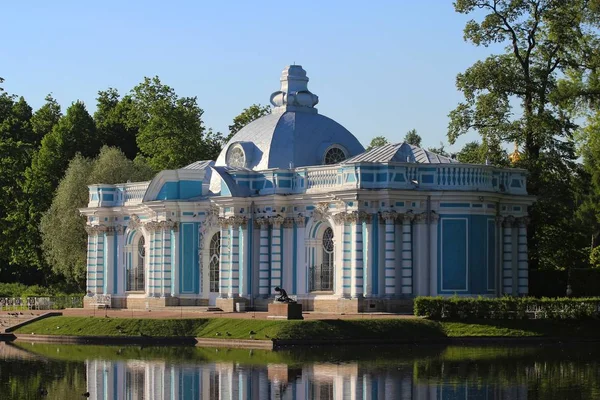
[135, 278]
[215, 255]
[236, 157]
[334, 155]
[322, 274]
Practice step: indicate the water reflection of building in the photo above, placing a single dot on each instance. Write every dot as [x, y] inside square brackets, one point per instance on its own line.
[161, 380]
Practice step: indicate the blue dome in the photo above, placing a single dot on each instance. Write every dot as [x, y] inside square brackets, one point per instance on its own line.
[293, 135]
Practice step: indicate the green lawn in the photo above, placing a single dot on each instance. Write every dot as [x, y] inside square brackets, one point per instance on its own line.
[408, 329]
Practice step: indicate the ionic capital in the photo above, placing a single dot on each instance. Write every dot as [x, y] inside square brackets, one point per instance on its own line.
[509, 221]
[288, 223]
[523, 221]
[407, 218]
[237, 221]
[300, 220]
[276, 221]
[389, 216]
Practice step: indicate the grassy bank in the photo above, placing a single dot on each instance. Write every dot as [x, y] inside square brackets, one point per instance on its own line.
[223, 328]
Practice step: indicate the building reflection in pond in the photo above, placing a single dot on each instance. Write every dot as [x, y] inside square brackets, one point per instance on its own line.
[161, 380]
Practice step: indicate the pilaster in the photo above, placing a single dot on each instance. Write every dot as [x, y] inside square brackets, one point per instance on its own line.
[225, 258]
[433, 250]
[507, 245]
[406, 257]
[264, 278]
[300, 261]
[390, 253]
[523, 262]
[421, 267]
[276, 270]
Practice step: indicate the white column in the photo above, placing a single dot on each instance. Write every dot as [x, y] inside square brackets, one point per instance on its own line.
[234, 242]
[507, 273]
[300, 255]
[245, 262]
[433, 261]
[407, 256]
[224, 259]
[119, 287]
[264, 277]
[175, 266]
[287, 247]
[357, 272]
[167, 261]
[109, 255]
[275, 253]
[152, 261]
[339, 255]
[523, 263]
[421, 267]
[368, 250]
[390, 253]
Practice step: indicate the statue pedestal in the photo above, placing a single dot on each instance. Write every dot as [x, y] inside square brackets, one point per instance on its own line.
[285, 311]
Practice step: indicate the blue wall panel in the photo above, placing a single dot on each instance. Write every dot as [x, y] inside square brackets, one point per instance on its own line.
[453, 254]
[188, 251]
[478, 273]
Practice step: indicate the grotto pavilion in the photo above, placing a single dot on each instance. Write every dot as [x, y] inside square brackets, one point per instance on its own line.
[294, 200]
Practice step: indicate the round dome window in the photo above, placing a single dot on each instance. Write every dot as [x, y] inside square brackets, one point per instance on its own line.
[236, 157]
[334, 155]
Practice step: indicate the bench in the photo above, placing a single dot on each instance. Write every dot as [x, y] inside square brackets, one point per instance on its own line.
[101, 301]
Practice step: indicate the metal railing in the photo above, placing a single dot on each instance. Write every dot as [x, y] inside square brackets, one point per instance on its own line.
[40, 303]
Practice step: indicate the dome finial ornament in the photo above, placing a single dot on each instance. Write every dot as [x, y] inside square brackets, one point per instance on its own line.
[294, 94]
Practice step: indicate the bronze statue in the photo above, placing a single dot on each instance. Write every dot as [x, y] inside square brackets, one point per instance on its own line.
[283, 296]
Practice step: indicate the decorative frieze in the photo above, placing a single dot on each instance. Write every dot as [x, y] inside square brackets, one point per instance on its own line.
[157, 226]
[97, 229]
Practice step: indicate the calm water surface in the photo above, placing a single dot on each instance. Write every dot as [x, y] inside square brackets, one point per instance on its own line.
[45, 371]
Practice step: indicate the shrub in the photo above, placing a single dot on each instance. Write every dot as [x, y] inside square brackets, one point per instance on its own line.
[507, 308]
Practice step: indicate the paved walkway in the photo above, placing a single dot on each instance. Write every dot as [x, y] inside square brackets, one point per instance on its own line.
[182, 312]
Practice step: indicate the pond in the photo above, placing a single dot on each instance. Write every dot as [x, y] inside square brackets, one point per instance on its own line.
[50, 371]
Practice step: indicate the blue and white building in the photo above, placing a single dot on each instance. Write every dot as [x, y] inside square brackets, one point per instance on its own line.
[294, 200]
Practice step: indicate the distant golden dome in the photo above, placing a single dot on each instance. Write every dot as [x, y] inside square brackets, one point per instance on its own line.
[515, 156]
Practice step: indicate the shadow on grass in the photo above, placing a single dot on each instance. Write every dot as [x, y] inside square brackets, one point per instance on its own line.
[528, 327]
[382, 329]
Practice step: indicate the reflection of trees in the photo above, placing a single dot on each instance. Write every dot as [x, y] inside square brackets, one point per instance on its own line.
[576, 370]
[23, 379]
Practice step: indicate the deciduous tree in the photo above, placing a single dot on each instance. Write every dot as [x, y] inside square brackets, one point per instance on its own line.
[515, 97]
[62, 228]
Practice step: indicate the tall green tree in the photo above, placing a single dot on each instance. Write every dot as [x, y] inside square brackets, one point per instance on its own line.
[45, 118]
[112, 122]
[412, 137]
[63, 228]
[16, 137]
[482, 153]
[75, 133]
[255, 111]
[171, 132]
[377, 141]
[514, 97]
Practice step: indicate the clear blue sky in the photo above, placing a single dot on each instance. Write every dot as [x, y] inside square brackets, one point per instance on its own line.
[378, 67]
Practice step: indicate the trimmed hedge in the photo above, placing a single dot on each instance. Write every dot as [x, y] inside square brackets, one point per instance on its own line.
[507, 308]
